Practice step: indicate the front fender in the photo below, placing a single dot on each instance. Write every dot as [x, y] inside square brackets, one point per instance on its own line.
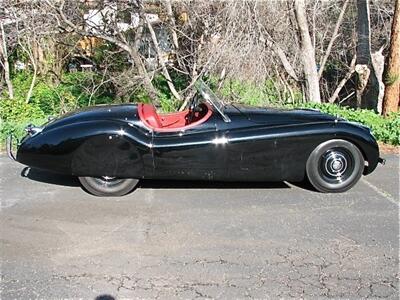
[361, 136]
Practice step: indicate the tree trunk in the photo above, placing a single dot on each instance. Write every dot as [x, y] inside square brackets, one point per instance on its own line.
[282, 57]
[162, 62]
[138, 63]
[367, 83]
[143, 73]
[33, 82]
[29, 51]
[391, 99]
[378, 62]
[171, 19]
[4, 54]
[307, 53]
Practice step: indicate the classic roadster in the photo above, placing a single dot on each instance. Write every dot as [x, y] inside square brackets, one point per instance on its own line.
[110, 148]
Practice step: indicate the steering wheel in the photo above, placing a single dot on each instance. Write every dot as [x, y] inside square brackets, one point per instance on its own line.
[192, 108]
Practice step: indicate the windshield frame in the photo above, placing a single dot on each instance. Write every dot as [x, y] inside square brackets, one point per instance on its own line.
[209, 96]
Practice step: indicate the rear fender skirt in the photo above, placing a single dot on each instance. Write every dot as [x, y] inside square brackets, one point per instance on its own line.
[110, 154]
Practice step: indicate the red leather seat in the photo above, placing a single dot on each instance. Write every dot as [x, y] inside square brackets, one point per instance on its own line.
[149, 114]
[171, 121]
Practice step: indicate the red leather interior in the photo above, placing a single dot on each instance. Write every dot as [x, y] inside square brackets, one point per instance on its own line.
[174, 120]
[171, 121]
[150, 116]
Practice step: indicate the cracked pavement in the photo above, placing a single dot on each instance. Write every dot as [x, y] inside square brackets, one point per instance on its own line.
[170, 240]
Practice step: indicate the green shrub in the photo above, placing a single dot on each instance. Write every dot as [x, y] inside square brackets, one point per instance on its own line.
[167, 100]
[253, 94]
[16, 128]
[168, 103]
[17, 109]
[386, 130]
[73, 92]
[15, 115]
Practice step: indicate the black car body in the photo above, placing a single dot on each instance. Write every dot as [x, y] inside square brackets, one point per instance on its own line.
[238, 144]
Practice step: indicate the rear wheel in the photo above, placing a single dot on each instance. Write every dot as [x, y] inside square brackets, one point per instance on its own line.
[108, 186]
[335, 166]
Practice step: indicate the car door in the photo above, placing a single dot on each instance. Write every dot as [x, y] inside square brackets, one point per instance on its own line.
[258, 152]
[247, 156]
[192, 154]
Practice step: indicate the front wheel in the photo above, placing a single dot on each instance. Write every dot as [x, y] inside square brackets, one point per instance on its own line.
[108, 186]
[335, 166]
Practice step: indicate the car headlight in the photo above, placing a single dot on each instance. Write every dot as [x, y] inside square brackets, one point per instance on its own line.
[33, 130]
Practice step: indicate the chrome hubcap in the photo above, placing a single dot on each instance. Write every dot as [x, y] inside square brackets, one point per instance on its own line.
[336, 165]
[107, 181]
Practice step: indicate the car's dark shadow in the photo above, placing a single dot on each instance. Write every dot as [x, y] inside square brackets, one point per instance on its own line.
[65, 180]
[305, 185]
[48, 177]
[189, 184]
[104, 297]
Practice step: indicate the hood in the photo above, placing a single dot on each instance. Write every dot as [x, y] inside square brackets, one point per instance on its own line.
[280, 116]
[123, 112]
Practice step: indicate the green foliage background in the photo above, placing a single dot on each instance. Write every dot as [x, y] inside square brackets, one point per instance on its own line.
[73, 91]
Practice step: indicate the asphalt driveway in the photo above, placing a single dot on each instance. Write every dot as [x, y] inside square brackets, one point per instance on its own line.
[198, 240]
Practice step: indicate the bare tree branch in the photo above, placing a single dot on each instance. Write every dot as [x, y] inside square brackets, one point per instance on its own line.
[333, 38]
[341, 84]
[5, 62]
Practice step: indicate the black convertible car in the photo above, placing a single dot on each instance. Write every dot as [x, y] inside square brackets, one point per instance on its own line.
[110, 148]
